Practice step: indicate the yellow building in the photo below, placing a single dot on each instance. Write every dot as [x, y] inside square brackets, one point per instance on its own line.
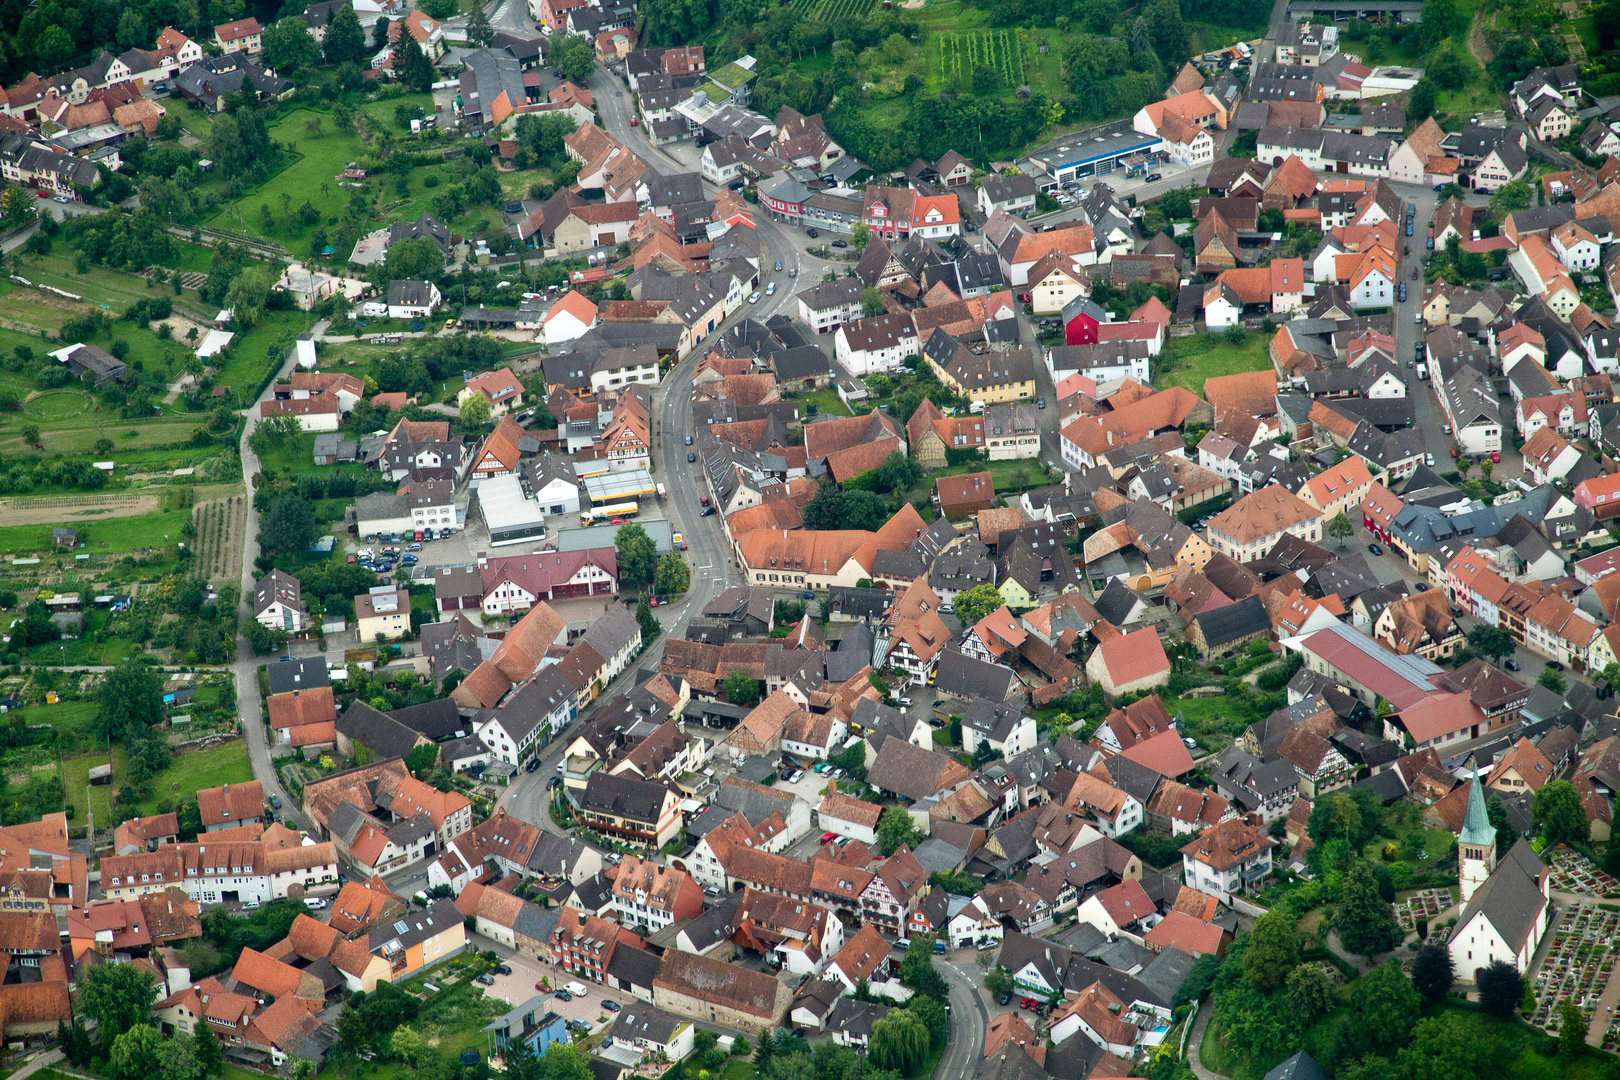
[387, 613]
[990, 377]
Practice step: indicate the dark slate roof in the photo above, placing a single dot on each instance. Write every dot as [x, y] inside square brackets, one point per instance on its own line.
[300, 673]
[434, 719]
[1299, 1067]
[1233, 622]
[377, 731]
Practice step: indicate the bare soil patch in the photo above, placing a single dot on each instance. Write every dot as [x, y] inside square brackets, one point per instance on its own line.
[49, 511]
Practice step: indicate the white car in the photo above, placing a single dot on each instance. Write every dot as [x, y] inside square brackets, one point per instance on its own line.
[316, 902]
[1428, 459]
[754, 299]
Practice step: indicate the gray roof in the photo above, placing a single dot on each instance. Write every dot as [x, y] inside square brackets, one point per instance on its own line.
[376, 731]
[641, 1021]
[434, 719]
[855, 1017]
[299, 673]
[623, 796]
[1165, 973]
[1299, 1067]
[753, 804]
[938, 857]
[1230, 623]
[963, 676]
[416, 925]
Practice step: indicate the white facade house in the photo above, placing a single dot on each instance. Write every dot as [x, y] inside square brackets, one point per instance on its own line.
[878, 344]
[412, 299]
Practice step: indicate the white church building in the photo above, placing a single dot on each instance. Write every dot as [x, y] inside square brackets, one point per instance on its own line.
[1506, 904]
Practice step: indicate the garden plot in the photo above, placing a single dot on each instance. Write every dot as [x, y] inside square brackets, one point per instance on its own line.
[218, 539]
[1577, 966]
[1424, 904]
[999, 50]
[1573, 872]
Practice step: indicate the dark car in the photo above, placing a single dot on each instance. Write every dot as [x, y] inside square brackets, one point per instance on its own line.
[275, 801]
[811, 233]
[807, 595]
[708, 511]
[1408, 226]
[610, 1006]
[563, 995]
[1151, 177]
[779, 265]
[1555, 665]
[485, 980]
[840, 243]
[553, 782]
[1511, 665]
[1375, 549]
[534, 763]
[1040, 403]
[969, 226]
[1006, 996]
[503, 969]
[690, 457]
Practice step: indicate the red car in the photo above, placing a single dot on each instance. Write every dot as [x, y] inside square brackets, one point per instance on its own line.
[1031, 1004]
[1495, 458]
[632, 121]
[617, 521]
[827, 838]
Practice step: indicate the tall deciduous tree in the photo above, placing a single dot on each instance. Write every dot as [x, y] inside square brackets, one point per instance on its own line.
[637, 555]
[896, 829]
[1500, 988]
[899, 1041]
[289, 527]
[1365, 921]
[575, 59]
[974, 604]
[117, 996]
[1273, 950]
[288, 44]
[1558, 813]
[479, 32]
[129, 701]
[1340, 529]
[673, 576]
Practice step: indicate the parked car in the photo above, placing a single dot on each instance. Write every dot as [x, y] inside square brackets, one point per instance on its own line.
[811, 233]
[413, 547]
[1375, 549]
[840, 243]
[1152, 177]
[275, 801]
[561, 995]
[1006, 996]
[708, 511]
[1040, 403]
[754, 299]
[1555, 665]
[610, 1006]
[690, 457]
[1511, 665]
[485, 980]
[503, 969]
[827, 838]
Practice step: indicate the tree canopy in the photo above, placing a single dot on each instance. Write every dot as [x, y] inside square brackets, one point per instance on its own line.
[637, 554]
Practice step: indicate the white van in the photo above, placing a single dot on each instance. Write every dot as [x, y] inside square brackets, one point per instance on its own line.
[575, 988]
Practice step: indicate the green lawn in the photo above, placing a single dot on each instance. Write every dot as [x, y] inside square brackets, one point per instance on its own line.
[311, 175]
[247, 363]
[89, 800]
[1009, 476]
[1189, 361]
[825, 401]
[192, 771]
[196, 121]
[118, 534]
[380, 114]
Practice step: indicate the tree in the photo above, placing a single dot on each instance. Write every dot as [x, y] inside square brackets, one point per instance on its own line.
[899, 1042]
[210, 1060]
[30, 434]
[933, 1016]
[1506, 834]
[1365, 921]
[248, 294]
[421, 759]
[1420, 105]
[896, 829]
[974, 604]
[1273, 950]
[1571, 1031]
[575, 59]
[135, 1053]
[1448, 70]
[37, 627]
[1500, 988]
[130, 700]
[475, 410]
[1384, 1008]
[53, 45]
[288, 44]
[645, 619]
[1557, 812]
[345, 40]
[479, 32]
[414, 260]
[289, 527]
[871, 303]
[1341, 529]
[1490, 642]
[1512, 196]
[177, 1059]
[917, 971]
[1551, 679]
[861, 234]
[1309, 994]
[415, 69]
[740, 689]
[1432, 973]
[673, 576]
[117, 997]
[637, 554]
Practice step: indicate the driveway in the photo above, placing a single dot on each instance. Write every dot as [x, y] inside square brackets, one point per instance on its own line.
[518, 987]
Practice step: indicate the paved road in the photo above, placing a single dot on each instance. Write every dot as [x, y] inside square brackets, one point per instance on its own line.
[968, 1020]
[248, 700]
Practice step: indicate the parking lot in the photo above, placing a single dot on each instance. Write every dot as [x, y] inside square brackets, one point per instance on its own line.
[518, 987]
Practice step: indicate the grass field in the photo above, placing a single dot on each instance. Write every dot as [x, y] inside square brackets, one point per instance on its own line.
[826, 401]
[118, 534]
[1188, 361]
[248, 362]
[92, 801]
[310, 175]
[226, 764]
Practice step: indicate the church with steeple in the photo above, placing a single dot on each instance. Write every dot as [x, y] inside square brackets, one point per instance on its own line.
[1476, 843]
[1506, 903]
